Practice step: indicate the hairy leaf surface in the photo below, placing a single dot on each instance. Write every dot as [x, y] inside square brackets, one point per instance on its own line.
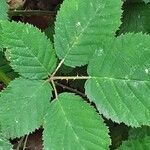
[29, 51]
[82, 26]
[23, 106]
[120, 83]
[3, 10]
[73, 124]
[4, 143]
[138, 144]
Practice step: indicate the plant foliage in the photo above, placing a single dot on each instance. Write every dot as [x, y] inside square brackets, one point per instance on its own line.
[135, 18]
[3, 10]
[5, 68]
[117, 80]
[4, 143]
[76, 34]
[138, 144]
[33, 58]
[120, 77]
[69, 116]
[135, 133]
[16, 106]
[146, 1]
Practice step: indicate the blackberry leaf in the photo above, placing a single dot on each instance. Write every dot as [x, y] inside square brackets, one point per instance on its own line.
[138, 144]
[73, 124]
[3, 10]
[120, 80]
[82, 26]
[4, 143]
[23, 105]
[29, 51]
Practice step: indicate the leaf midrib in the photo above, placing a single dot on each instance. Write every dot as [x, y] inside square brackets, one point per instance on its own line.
[82, 32]
[70, 125]
[119, 79]
[32, 54]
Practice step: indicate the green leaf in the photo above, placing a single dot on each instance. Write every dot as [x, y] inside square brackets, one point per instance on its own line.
[138, 144]
[82, 26]
[29, 51]
[73, 124]
[146, 1]
[5, 67]
[4, 143]
[120, 80]
[135, 133]
[49, 32]
[133, 1]
[3, 16]
[3, 10]
[139, 135]
[135, 18]
[23, 105]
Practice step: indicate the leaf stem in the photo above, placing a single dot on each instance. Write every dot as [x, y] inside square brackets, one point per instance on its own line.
[25, 142]
[69, 78]
[70, 89]
[55, 90]
[59, 65]
[30, 12]
[20, 143]
[4, 78]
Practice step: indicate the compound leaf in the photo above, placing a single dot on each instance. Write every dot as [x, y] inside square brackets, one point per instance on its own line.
[120, 80]
[30, 52]
[82, 26]
[23, 106]
[73, 124]
[136, 144]
[3, 10]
